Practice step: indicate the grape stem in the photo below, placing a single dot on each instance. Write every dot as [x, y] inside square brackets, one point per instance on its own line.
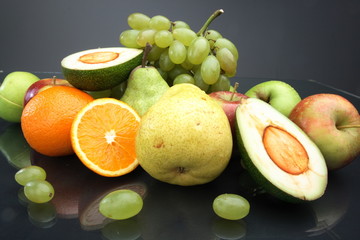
[210, 19]
[147, 49]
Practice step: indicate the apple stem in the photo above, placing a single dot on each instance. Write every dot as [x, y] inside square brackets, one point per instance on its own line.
[349, 126]
[234, 90]
[210, 19]
[54, 80]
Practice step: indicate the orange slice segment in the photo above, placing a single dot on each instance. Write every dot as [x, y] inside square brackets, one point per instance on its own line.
[103, 137]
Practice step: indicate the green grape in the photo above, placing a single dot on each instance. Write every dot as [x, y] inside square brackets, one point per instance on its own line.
[225, 43]
[227, 61]
[184, 78]
[210, 70]
[39, 191]
[121, 204]
[145, 36]
[138, 21]
[177, 52]
[180, 24]
[184, 35]
[222, 84]
[212, 36]
[187, 65]
[163, 38]
[198, 50]
[156, 63]
[28, 174]
[155, 53]
[159, 22]
[163, 74]
[231, 206]
[165, 62]
[195, 68]
[200, 82]
[175, 71]
[128, 38]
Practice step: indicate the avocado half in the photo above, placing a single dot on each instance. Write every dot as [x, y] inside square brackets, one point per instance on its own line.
[278, 154]
[101, 68]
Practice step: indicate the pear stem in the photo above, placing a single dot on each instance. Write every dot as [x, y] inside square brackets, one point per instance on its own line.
[210, 19]
[234, 90]
[349, 126]
[147, 49]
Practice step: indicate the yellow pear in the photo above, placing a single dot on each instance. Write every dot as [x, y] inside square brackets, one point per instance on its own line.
[184, 138]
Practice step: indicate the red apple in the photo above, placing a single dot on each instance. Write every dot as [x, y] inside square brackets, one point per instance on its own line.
[228, 100]
[333, 123]
[43, 84]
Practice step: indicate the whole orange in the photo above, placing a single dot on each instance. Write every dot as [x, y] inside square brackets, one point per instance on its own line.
[47, 118]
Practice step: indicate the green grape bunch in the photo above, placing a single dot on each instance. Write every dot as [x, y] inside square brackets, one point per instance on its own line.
[181, 55]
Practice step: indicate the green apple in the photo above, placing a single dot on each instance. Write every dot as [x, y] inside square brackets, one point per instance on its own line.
[12, 92]
[280, 95]
[333, 123]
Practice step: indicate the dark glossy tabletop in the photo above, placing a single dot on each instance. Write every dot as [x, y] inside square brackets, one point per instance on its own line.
[293, 42]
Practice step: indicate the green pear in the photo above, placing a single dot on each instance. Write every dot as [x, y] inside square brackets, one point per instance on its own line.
[12, 93]
[184, 138]
[144, 88]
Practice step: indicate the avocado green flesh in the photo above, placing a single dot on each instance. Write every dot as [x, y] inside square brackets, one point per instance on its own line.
[253, 116]
[102, 76]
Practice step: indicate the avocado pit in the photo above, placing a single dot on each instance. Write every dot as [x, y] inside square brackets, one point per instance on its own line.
[285, 150]
[98, 57]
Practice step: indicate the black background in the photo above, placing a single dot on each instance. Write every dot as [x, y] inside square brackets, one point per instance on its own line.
[279, 39]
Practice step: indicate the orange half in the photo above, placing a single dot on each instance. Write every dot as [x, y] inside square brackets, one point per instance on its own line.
[103, 137]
